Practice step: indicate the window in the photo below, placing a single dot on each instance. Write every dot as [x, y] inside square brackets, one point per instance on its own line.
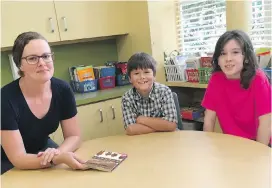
[200, 24]
[261, 23]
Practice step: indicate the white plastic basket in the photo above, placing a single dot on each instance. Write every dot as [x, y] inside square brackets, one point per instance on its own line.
[193, 63]
[175, 73]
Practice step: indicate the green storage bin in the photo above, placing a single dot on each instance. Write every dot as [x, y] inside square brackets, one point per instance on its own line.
[204, 75]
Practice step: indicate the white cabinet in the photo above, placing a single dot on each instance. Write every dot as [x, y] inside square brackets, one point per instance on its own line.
[62, 20]
[97, 120]
[87, 19]
[22, 16]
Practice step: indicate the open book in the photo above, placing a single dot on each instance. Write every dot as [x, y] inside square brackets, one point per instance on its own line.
[105, 161]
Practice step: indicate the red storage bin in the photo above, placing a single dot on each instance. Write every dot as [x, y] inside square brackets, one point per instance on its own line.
[121, 68]
[192, 113]
[107, 82]
[192, 75]
[206, 62]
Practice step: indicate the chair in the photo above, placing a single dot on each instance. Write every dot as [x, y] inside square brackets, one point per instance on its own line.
[175, 96]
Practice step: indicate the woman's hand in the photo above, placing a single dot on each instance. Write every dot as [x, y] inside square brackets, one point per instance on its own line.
[70, 159]
[48, 155]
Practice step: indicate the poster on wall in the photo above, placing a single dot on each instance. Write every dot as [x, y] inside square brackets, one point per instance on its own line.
[13, 67]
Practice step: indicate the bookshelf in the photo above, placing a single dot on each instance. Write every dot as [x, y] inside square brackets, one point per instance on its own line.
[187, 84]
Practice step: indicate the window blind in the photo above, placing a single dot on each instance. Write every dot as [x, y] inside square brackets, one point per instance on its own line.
[261, 23]
[199, 25]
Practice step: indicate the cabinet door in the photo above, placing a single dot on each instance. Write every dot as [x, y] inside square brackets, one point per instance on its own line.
[87, 19]
[22, 16]
[114, 116]
[92, 121]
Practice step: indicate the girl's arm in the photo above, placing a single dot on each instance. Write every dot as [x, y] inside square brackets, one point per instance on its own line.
[209, 120]
[262, 88]
[264, 129]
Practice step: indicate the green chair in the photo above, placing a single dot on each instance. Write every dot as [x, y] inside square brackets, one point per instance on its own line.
[175, 96]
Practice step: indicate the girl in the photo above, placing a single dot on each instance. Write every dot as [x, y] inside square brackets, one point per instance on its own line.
[238, 93]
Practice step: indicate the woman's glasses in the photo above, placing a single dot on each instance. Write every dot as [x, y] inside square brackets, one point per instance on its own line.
[34, 59]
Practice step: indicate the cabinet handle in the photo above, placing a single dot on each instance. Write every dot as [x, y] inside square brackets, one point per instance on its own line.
[52, 25]
[101, 115]
[113, 112]
[65, 23]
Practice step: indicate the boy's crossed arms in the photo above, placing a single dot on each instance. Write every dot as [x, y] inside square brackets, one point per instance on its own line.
[137, 123]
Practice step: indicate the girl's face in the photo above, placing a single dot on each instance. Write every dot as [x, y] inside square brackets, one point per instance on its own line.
[231, 59]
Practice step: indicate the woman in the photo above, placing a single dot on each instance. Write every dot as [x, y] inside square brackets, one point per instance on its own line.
[238, 93]
[32, 108]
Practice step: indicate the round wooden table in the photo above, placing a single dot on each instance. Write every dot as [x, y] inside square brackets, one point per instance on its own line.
[182, 159]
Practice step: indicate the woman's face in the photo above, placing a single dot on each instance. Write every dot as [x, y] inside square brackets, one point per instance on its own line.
[231, 59]
[37, 61]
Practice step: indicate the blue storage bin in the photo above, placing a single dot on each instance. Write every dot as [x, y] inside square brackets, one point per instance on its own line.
[85, 86]
[268, 72]
[122, 79]
[107, 71]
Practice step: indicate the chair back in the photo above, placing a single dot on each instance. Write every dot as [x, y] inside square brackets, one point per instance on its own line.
[175, 96]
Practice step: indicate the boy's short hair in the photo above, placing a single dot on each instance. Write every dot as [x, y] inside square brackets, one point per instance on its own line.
[141, 60]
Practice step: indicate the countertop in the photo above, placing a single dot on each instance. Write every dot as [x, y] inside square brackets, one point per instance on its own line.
[101, 95]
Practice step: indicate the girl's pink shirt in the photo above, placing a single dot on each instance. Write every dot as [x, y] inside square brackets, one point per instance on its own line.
[238, 109]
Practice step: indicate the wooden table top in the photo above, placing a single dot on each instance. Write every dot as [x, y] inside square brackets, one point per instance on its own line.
[181, 159]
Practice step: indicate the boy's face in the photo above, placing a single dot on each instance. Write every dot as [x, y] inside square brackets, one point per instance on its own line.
[142, 80]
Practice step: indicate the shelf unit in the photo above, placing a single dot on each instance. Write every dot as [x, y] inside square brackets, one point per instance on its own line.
[187, 84]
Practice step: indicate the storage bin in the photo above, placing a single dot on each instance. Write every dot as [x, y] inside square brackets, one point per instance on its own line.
[192, 75]
[206, 62]
[204, 75]
[268, 72]
[193, 63]
[107, 71]
[107, 82]
[175, 73]
[122, 79]
[121, 68]
[85, 86]
[192, 113]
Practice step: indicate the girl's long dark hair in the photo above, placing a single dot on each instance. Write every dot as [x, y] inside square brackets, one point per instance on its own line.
[250, 60]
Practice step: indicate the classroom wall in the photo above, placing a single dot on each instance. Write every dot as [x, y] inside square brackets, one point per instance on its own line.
[139, 38]
[238, 15]
[152, 30]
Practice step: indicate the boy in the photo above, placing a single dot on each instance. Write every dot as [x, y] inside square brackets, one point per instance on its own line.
[149, 106]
